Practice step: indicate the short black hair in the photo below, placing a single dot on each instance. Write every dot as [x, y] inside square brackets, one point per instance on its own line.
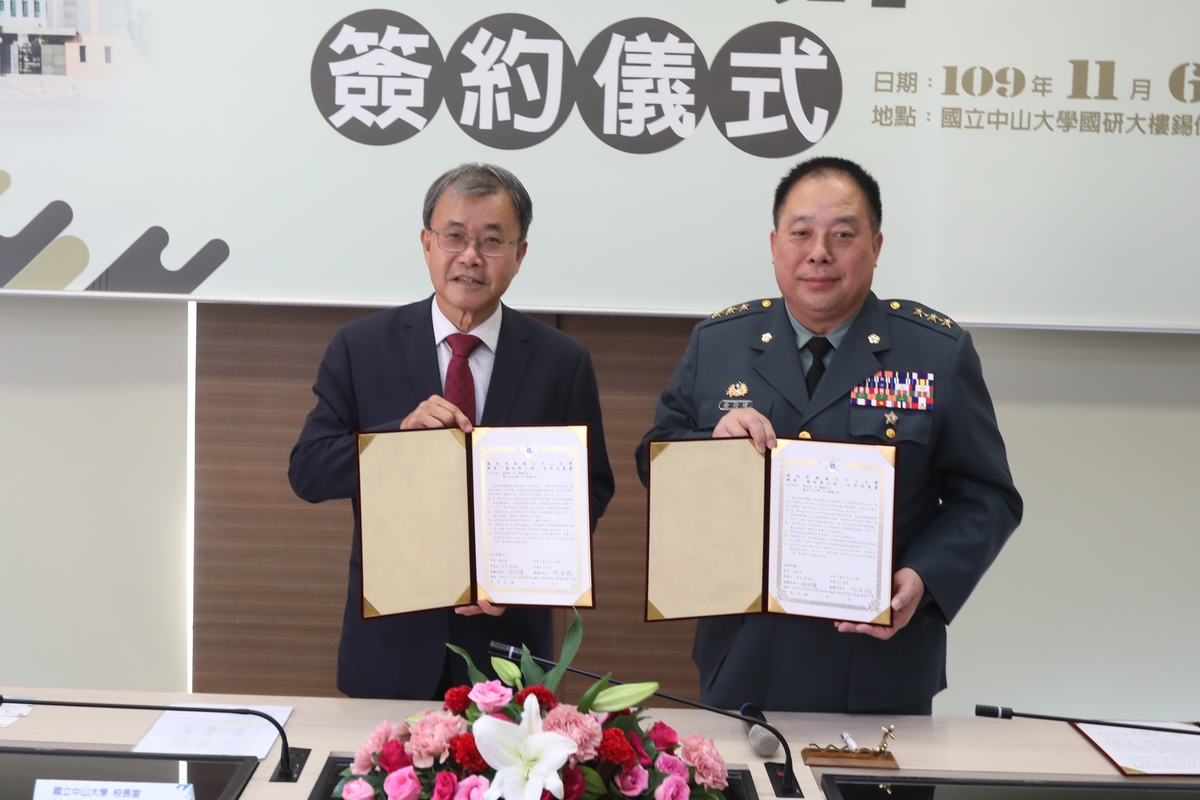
[823, 166]
[481, 180]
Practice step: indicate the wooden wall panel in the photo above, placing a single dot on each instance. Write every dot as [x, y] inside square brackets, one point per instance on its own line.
[271, 569]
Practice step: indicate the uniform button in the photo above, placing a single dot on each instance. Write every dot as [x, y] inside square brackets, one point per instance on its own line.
[891, 433]
[804, 435]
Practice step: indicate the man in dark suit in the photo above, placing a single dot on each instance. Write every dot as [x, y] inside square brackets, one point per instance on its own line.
[398, 369]
[814, 364]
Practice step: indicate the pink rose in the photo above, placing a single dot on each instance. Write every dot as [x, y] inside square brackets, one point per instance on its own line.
[403, 784]
[471, 787]
[393, 756]
[639, 749]
[702, 754]
[673, 787]
[358, 789]
[490, 696]
[671, 765]
[664, 737]
[444, 785]
[633, 782]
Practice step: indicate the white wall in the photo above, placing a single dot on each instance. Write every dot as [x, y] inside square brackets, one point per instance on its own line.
[1088, 610]
[93, 413]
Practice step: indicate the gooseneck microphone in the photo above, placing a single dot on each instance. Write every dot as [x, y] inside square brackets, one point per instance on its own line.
[1000, 712]
[291, 759]
[762, 740]
[783, 778]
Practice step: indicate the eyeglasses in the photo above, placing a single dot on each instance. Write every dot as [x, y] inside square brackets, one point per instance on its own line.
[456, 242]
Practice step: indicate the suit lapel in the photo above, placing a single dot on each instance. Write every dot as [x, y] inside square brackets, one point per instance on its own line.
[420, 367]
[512, 356]
[855, 359]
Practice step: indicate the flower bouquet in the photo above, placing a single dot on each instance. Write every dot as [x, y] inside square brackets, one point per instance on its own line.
[511, 738]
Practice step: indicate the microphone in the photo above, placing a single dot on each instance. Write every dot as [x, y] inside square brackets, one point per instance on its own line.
[783, 778]
[1000, 712]
[762, 740]
[291, 759]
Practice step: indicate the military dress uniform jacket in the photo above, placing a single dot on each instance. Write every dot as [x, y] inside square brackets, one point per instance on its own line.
[955, 500]
[375, 372]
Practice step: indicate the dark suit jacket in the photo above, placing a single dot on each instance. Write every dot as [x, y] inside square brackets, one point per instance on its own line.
[955, 500]
[377, 370]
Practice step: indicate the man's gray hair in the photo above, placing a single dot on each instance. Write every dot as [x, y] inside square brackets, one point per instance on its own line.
[481, 180]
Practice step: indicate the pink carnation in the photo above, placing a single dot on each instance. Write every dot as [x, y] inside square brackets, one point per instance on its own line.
[664, 737]
[430, 737]
[673, 787]
[582, 729]
[403, 784]
[444, 785]
[671, 765]
[632, 782]
[490, 696]
[471, 787]
[364, 759]
[702, 754]
[357, 789]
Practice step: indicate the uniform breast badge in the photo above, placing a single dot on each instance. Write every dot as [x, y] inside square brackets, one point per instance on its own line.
[888, 389]
[737, 392]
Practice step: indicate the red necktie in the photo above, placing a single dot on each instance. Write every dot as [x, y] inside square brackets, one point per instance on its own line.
[460, 385]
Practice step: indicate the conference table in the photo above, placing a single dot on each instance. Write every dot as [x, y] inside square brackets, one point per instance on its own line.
[924, 746]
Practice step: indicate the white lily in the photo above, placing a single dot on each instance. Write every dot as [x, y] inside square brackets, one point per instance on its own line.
[526, 758]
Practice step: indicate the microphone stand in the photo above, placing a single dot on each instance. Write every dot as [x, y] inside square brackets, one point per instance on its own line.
[286, 772]
[1000, 712]
[783, 778]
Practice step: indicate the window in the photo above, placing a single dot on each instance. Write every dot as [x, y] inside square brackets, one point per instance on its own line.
[83, 54]
[37, 8]
[107, 54]
[24, 8]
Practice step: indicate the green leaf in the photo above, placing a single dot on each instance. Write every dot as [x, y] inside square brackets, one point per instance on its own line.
[507, 671]
[629, 695]
[585, 702]
[533, 674]
[593, 784]
[570, 647]
[472, 672]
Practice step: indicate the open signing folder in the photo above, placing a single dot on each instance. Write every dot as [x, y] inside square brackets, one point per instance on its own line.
[449, 518]
[805, 528]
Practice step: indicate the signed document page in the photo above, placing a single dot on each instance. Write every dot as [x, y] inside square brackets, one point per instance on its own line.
[1137, 752]
[830, 530]
[413, 504]
[533, 543]
[705, 553]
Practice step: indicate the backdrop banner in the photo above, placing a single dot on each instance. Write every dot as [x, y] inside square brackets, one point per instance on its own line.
[1037, 159]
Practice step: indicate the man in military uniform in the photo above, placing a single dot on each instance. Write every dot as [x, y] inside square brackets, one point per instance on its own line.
[810, 365]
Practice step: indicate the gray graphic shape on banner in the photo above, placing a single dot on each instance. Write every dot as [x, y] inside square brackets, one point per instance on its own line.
[378, 77]
[140, 268]
[642, 85]
[776, 90]
[510, 81]
[17, 251]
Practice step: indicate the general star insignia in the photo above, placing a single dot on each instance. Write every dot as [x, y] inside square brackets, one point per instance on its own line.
[738, 389]
[890, 418]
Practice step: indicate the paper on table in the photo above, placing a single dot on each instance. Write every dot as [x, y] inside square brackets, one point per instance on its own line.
[207, 734]
[11, 712]
[1137, 752]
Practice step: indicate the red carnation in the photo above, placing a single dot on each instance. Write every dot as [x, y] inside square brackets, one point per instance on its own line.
[457, 701]
[545, 697]
[464, 751]
[615, 747]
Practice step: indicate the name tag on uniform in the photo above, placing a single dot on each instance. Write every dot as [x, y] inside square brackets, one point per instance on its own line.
[888, 389]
